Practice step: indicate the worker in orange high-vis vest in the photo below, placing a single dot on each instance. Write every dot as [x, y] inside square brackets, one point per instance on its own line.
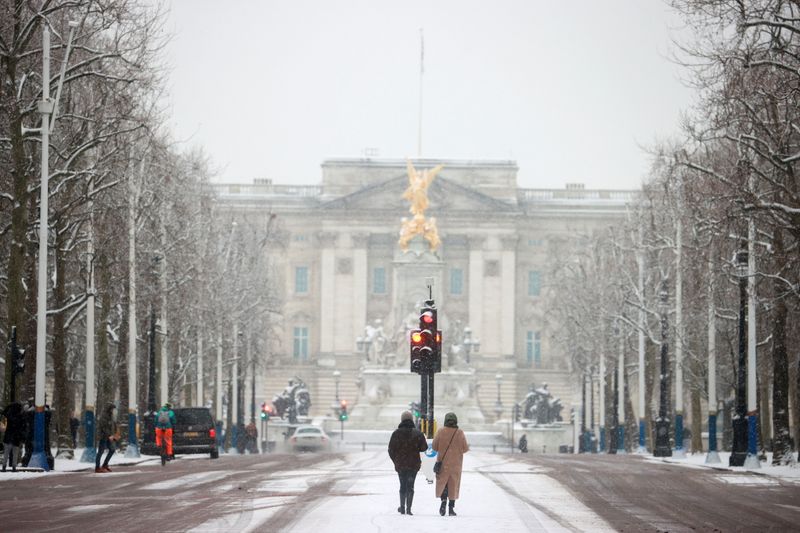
[165, 422]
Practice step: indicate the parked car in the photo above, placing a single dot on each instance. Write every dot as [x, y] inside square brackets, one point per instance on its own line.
[309, 438]
[194, 432]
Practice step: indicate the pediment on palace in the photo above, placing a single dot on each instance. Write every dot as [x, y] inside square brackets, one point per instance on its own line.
[444, 196]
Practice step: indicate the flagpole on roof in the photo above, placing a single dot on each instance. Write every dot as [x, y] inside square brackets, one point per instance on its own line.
[421, 72]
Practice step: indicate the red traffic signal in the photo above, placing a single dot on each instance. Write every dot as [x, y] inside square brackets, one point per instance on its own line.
[417, 342]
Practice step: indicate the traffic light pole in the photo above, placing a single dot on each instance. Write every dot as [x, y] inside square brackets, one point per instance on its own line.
[429, 425]
[423, 403]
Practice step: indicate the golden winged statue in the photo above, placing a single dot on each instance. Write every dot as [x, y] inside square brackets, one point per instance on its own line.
[417, 195]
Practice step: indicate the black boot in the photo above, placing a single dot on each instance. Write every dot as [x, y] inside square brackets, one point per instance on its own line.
[402, 508]
[452, 511]
[443, 506]
[409, 501]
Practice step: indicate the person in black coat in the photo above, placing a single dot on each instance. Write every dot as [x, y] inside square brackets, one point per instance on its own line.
[404, 448]
[15, 434]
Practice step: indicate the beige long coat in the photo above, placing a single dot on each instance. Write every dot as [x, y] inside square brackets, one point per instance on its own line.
[450, 475]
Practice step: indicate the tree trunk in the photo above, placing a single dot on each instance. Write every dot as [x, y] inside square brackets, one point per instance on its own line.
[782, 446]
[650, 404]
[697, 418]
[15, 302]
[105, 381]
[62, 388]
[122, 364]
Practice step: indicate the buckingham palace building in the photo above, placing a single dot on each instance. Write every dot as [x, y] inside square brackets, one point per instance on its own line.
[362, 250]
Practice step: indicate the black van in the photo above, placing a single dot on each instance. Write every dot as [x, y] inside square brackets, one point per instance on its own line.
[194, 432]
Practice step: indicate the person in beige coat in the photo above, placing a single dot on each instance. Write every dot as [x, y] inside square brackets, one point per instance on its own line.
[450, 445]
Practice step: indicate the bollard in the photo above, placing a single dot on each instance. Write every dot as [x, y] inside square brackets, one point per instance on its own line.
[363, 446]
[494, 448]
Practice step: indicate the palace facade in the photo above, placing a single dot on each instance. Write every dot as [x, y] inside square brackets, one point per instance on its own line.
[339, 268]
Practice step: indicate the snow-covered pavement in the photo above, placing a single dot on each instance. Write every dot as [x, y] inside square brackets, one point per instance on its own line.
[496, 495]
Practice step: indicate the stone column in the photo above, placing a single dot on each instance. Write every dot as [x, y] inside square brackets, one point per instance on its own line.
[327, 244]
[476, 258]
[361, 276]
[508, 276]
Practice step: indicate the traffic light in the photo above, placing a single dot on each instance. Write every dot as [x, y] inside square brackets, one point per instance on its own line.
[415, 409]
[264, 411]
[343, 410]
[17, 353]
[417, 343]
[428, 329]
[437, 352]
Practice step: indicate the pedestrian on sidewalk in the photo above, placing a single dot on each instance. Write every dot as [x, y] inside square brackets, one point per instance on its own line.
[107, 436]
[404, 448]
[14, 435]
[74, 424]
[450, 445]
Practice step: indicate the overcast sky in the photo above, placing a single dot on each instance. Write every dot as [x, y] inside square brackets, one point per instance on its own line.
[569, 90]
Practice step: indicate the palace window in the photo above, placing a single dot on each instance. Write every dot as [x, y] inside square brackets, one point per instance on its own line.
[456, 281]
[379, 280]
[301, 280]
[534, 283]
[300, 344]
[533, 348]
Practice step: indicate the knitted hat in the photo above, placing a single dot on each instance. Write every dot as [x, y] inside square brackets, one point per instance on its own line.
[451, 420]
[406, 416]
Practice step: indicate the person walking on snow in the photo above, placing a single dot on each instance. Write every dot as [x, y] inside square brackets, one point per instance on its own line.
[165, 422]
[14, 435]
[107, 435]
[450, 445]
[404, 448]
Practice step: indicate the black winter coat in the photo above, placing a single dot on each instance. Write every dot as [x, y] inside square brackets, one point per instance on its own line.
[15, 424]
[405, 445]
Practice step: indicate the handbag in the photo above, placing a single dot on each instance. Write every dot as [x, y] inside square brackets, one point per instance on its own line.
[437, 466]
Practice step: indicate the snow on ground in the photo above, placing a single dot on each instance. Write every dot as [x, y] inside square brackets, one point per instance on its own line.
[75, 465]
[698, 460]
[366, 498]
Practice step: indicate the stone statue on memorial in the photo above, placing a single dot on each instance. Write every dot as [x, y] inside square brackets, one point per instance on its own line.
[417, 195]
[541, 407]
[377, 344]
[294, 401]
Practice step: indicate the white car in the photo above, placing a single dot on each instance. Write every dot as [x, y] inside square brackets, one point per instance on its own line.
[309, 438]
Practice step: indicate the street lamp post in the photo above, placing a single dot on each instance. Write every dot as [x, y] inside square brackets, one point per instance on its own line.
[252, 359]
[602, 410]
[592, 447]
[218, 393]
[739, 451]
[621, 394]
[234, 402]
[470, 345]
[89, 452]
[363, 344]
[713, 456]
[47, 108]
[498, 406]
[662, 447]
[336, 405]
[584, 444]
[752, 460]
[640, 261]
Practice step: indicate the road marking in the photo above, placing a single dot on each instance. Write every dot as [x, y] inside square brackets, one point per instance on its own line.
[185, 482]
[88, 508]
[747, 480]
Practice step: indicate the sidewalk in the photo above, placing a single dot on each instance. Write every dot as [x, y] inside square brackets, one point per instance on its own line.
[697, 460]
[64, 466]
